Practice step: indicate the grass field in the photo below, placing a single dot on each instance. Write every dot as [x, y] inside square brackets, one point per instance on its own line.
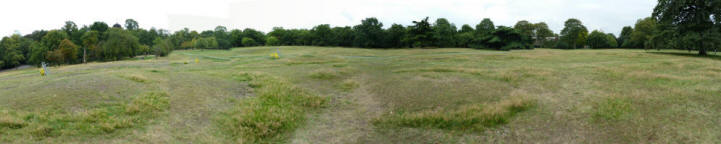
[348, 95]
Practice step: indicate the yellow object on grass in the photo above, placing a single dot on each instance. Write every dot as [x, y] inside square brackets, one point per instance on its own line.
[274, 55]
[42, 72]
[197, 61]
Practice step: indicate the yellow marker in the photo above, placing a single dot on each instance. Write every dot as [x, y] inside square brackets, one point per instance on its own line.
[274, 55]
[197, 61]
[42, 72]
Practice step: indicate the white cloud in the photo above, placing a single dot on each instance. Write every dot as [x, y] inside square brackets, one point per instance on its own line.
[28, 15]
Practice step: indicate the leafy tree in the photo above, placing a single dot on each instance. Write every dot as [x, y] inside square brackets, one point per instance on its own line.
[485, 27]
[272, 41]
[598, 39]
[643, 30]
[162, 47]
[625, 38]
[484, 33]
[117, 25]
[343, 36]
[69, 51]
[91, 41]
[248, 42]
[369, 34]
[396, 34]
[542, 33]
[321, 35]
[466, 28]
[257, 36]
[693, 19]
[611, 39]
[574, 33]
[222, 37]
[131, 24]
[236, 37]
[444, 33]
[464, 39]
[526, 28]
[53, 38]
[119, 44]
[100, 27]
[420, 34]
[506, 38]
[11, 51]
[38, 52]
[71, 29]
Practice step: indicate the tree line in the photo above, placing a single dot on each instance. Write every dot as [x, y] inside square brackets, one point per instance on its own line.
[674, 24]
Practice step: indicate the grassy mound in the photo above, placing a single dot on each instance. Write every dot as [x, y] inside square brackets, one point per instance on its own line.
[102, 120]
[278, 107]
[470, 117]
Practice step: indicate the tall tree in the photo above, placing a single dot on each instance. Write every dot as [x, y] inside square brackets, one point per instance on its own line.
[642, 32]
[466, 28]
[484, 31]
[573, 33]
[322, 35]
[10, 51]
[598, 39]
[91, 40]
[257, 36]
[369, 33]
[444, 33]
[692, 18]
[131, 24]
[396, 34]
[542, 33]
[420, 34]
[625, 38]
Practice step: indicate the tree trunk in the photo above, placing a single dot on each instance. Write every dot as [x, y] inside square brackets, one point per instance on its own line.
[702, 51]
[84, 55]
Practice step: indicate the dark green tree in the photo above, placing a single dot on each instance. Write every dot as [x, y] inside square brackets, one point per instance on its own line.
[693, 19]
[625, 38]
[321, 35]
[574, 33]
[131, 24]
[396, 34]
[444, 33]
[369, 34]
[642, 32]
[598, 39]
[420, 34]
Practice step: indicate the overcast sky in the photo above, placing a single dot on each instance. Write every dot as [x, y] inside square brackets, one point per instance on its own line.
[24, 16]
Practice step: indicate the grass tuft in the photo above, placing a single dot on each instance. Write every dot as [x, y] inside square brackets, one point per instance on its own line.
[278, 108]
[612, 109]
[469, 117]
[348, 85]
[324, 74]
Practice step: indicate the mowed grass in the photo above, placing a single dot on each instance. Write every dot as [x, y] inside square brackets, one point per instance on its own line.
[349, 95]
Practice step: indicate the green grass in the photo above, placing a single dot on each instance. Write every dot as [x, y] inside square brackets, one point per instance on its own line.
[277, 109]
[350, 95]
